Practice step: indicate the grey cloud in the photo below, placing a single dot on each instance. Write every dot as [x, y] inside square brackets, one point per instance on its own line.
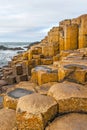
[30, 20]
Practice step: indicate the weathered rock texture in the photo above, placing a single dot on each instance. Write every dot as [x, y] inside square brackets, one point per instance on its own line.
[34, 111]
[44, 74]
[11, 98]
[69, 122]
[73, 67]
[70, 97]
[7, 119]
[70, 35]
[60, 59]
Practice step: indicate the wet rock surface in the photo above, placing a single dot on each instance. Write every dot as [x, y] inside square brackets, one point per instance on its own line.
[43, 68]
[11, 98]
[19, 92]
[1, 102]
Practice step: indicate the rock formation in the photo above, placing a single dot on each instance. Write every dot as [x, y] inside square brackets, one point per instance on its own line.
[70, 97]
[69, 122]
[34, 111]
[49, 80]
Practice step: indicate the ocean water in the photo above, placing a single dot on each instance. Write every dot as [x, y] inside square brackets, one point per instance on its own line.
[7, 55]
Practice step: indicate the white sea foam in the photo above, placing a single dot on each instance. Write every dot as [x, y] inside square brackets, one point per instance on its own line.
[7, 55]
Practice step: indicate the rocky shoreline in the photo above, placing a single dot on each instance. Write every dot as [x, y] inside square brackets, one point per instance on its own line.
[13, 49]
[19, 48]
[45, 88]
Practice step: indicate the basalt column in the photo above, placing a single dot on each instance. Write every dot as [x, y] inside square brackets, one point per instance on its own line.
[83, 32]
[71, 37]
[53, 41]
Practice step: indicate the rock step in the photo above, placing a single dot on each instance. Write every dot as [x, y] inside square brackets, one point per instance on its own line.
[70, 97]
[73, 121]
[35, 111]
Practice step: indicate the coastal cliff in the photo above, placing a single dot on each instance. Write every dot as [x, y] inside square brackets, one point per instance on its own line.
[48, 81]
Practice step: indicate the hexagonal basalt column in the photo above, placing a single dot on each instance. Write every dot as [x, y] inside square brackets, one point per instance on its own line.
[71, 97]
[11, 99]
[35, 111]
[35, 71]
[72, 72]
[45, 77]
[43, 74]
[73, 121]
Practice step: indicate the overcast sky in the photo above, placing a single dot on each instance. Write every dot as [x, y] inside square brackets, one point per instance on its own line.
[29, 20]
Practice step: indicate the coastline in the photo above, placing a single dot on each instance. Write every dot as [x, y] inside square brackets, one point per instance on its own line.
[47, 84]
[18, 53]
[7, 51]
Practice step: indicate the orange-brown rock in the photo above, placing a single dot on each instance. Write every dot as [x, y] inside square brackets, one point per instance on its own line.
[7, 119]
[11, 98]
[43, 89]
[46, 61]
[34, 111]
[70, 97]
[53, 35]
[71, 37]
[44, 74]
[71, 34]
[81, 22]
[26, 85]
[72, 121]
[60, 56]
[73, 67]
[45, 77]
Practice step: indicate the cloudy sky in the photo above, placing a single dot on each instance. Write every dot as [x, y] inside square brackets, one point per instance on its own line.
[29, 20]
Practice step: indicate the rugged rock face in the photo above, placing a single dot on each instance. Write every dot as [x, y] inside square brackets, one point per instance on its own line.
[44, 74]
[69, 122]
[70, 97]
[70, 35]
[55, 70]
[34, 111]
[12, 96]
[72, 66]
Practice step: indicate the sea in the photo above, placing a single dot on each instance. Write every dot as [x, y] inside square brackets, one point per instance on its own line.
[7, 55]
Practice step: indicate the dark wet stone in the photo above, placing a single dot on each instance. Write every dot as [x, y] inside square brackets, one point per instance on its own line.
[1, 102]
[19, 92]
[20, 52]
[75, 66]
[7, 48]
[43, 68]
[3, 83]
[1, 99]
